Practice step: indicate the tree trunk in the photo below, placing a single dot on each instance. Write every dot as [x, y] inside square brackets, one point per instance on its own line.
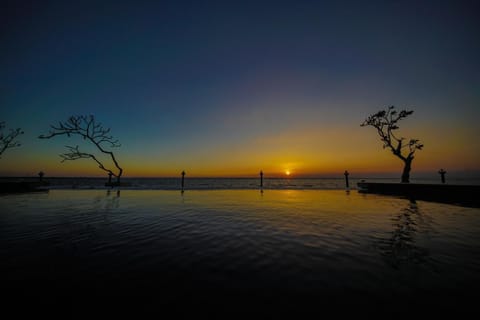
[406, 170]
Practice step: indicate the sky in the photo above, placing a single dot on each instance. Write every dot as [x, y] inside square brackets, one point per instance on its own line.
[229, 88]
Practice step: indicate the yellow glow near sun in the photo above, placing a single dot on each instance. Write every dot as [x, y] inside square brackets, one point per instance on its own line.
[287, 172]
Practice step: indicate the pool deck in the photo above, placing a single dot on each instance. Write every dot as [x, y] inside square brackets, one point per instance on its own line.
[23, 186]
[465, 195]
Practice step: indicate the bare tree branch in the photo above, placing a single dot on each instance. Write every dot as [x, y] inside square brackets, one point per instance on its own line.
[88, 129]
[75, 154]
[385, 122]
[7, 140]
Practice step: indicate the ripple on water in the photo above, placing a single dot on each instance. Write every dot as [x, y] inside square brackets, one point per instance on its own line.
[303, 242]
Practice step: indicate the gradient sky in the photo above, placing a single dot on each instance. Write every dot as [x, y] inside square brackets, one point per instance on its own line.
[226, 88]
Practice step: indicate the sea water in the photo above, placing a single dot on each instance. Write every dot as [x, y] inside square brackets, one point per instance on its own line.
[230, 183]
[276, 250]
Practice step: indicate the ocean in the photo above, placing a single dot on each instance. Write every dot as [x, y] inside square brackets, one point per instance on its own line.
[228, 183]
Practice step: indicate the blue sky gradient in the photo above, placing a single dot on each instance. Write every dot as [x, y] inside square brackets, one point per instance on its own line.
[195, 83]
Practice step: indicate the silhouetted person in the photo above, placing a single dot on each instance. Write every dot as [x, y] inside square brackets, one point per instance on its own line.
[40, 175]
[442, 174]
[110, 178]
[346, 179]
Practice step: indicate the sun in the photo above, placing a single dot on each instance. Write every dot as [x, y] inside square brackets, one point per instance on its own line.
[287, 172]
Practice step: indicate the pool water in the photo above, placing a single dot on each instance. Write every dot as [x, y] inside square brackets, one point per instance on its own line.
[277, 250]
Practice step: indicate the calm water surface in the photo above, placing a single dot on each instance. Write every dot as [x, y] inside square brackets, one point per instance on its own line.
[277, 249]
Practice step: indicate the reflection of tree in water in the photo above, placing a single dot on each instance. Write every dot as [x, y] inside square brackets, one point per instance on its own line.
[401, 248]
[77, 234]
[108, 202]
[113, 199]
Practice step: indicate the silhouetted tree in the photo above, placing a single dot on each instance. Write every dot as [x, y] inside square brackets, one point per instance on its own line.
[88, 129]
[7, 140]
[385, 121]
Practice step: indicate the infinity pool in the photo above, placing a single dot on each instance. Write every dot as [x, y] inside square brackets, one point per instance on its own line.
[235, 249]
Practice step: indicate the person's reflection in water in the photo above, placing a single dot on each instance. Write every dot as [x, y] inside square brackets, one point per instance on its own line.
[401, 248]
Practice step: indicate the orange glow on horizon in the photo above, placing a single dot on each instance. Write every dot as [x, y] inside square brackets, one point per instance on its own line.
[303, 151]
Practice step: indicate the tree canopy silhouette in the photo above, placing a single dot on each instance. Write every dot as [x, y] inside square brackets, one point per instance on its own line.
[7, 140]
[385, 121]
[95, 133]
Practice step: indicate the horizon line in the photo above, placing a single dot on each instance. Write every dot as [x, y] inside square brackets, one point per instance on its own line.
[227, 177]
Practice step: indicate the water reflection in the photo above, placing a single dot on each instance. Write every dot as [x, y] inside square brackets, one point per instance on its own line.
[401, 247]
[112, 201]
[304, 242]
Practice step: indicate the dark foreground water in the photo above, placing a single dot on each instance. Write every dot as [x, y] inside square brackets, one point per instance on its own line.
[235, 252]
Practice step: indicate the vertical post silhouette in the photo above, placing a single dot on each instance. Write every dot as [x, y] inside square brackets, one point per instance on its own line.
[442, 174]
[347, 185]
[110, 178]
[261, 180]
[40, 175]
[183, 181]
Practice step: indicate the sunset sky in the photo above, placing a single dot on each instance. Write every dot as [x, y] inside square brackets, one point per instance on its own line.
[229, 88]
